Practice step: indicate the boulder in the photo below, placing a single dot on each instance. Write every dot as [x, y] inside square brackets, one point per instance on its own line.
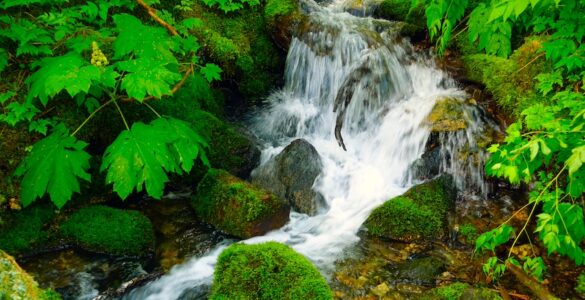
[237, 207]
[16, 284]
[291, 174]
[447, 116]
[421, 213]
[267, 271]
[283, 18]
[103, 229]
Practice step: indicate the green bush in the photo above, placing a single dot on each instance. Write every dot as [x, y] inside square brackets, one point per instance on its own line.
[108, 230]
[266, 271]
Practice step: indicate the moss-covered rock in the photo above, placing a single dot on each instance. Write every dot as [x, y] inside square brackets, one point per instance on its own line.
[27, 230]
[16, 284]
[460, 290]
[420, 213]
[400, 10]
[580, 286]
[109, 230]
[510, 80]
[447, 115]
[237, 207]
[229, 149]
[283, 19]
[240, 43]
[267, 271]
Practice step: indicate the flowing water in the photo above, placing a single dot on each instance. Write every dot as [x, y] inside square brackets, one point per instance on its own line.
[356, 73]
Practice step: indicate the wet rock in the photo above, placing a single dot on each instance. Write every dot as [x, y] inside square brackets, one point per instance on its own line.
[447, 116]
[15, 283]
[291, 174]
[412, 21]
[421, 270]
[429, 165]
[421, 213]
[238, 207]
[267, 271]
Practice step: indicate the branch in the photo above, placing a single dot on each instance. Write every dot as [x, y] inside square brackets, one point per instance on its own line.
[152, 13]
[539, 291]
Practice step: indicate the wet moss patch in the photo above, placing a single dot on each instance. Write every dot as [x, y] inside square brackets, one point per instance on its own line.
[267, 271]
[108, 230]
[26, 230]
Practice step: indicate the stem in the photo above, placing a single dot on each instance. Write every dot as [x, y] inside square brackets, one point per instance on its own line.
[152, 12]
[152, 109]
[91, 116]
[121, 114]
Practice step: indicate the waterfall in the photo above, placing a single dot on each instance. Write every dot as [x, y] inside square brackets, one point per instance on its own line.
[357, 74]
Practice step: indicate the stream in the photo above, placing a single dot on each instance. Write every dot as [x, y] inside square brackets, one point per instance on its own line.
[357, 68]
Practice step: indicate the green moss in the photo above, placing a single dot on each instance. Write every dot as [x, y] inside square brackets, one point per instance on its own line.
[400, 10]
[510, 80]
[240, 44]
[403, 219]
[27, 229]
[459, 290]
[446, 116]
[108, 230]
[266, 271]
[419, 213]
[237, 207]
[580, 287]
[15, 283]
[275, 8]
[468, 232]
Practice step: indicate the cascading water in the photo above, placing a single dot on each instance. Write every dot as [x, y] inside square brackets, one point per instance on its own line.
[354, 74]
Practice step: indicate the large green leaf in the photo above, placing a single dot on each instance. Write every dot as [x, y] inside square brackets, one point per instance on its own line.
[143, 155]
[54, 166]
[147, 77]
[68, 72]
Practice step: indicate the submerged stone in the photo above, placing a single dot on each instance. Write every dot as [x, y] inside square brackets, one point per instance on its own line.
[421, 270]
[291, 174]
[238, 207]
[103, 229]
[420, 213]
[267, 271]
[16, 284]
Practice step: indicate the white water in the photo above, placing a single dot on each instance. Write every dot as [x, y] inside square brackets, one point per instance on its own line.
[392, 90]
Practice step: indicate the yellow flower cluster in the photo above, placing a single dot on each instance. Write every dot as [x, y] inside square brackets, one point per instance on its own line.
[97, 56]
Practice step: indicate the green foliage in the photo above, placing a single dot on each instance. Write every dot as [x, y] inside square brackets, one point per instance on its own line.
[266, 271]
[97, 54]
[25, 230]
[452, 291]
[230, 5]
[442, 17]
[580, 287]
[141, 156]
[468, 232]
[54, 166]
[108, 230]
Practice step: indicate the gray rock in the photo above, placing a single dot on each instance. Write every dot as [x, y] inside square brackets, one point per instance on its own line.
[421, 270]
[291, 174]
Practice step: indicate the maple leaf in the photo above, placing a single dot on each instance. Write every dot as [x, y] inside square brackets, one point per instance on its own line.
[147, 77]
[211, 72]
[68, 72]
[54, 166]
[144, 154]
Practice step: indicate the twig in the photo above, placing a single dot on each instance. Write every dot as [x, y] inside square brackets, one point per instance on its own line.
[152, 13]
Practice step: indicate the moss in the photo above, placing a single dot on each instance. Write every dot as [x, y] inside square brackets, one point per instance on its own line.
[240, 44]
[420, 213]
[237, 207]
[510, 80]
[108, 230]
[16, 284]
[27, 229]
[580, 287]
[400, 10]
[468, 232]
[459, 290]
[266, 271]
[447, 116]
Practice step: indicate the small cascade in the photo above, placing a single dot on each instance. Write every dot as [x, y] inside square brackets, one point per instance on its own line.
[349, 81]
